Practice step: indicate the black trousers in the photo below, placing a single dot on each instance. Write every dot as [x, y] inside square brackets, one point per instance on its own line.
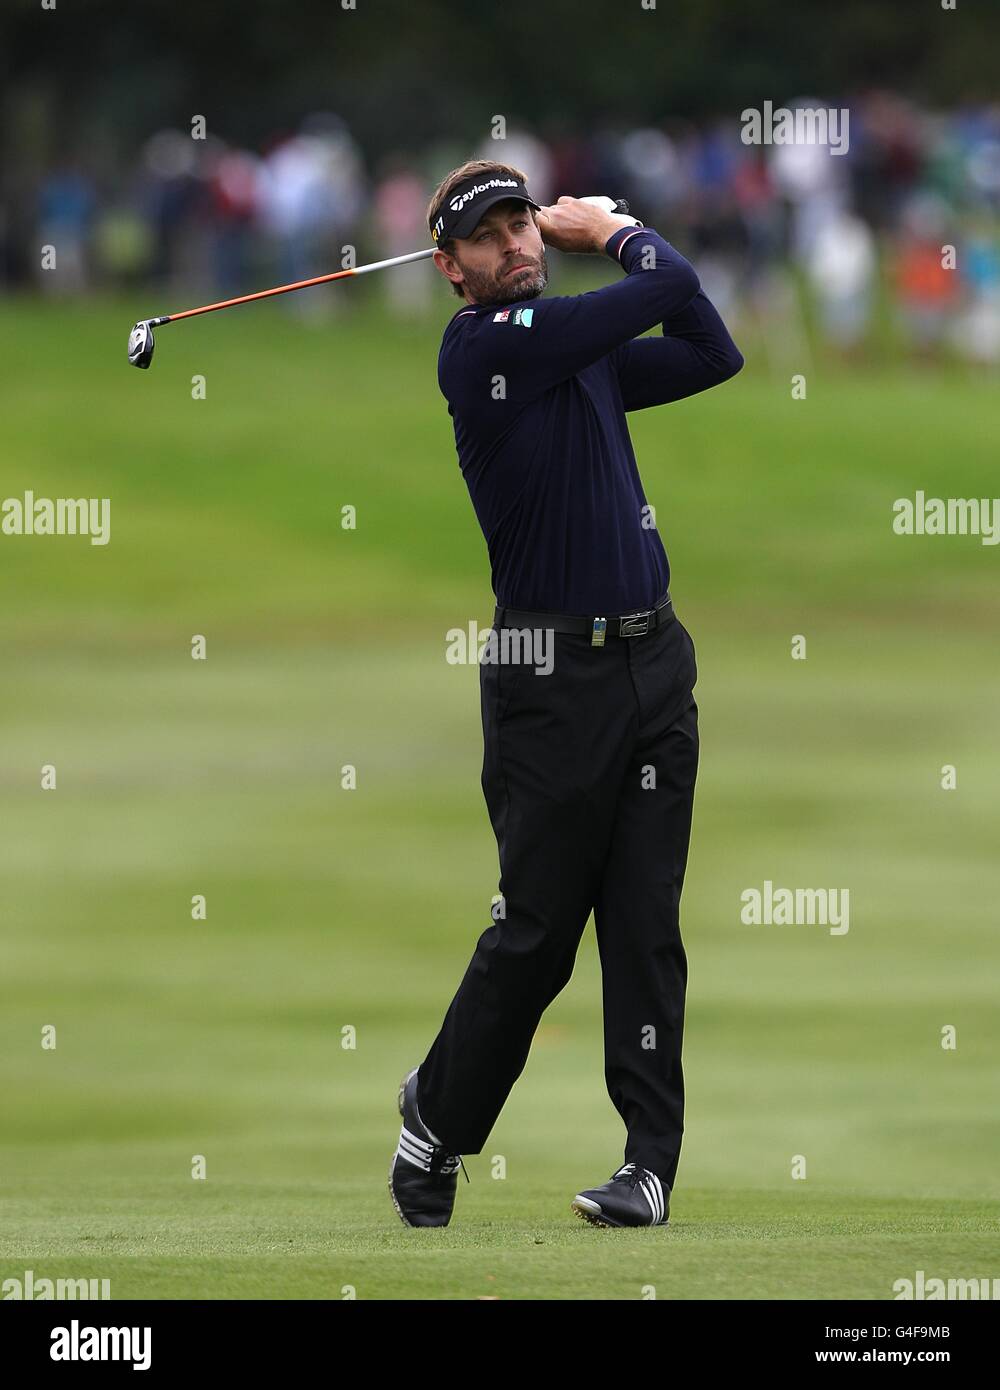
[589, 777]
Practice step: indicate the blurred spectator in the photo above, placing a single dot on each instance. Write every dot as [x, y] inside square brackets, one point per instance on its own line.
[841, 266]
[232, 185]
[889, 146]
[66, 204]
[814, 180]
[975, 333]
[400, 206]
[927, 288]
[123, 244]
[309, 197]
[651, 169]
[171, 198]
[527, 152]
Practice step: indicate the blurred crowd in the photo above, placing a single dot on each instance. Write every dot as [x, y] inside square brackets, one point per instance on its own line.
[898, 235]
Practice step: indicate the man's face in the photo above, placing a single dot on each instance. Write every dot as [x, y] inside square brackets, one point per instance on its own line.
[502, 261]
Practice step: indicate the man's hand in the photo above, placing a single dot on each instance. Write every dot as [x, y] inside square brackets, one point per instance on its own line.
[573, 225]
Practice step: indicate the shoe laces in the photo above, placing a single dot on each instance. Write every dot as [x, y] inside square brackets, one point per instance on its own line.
[445, 1162]
[630, 1173]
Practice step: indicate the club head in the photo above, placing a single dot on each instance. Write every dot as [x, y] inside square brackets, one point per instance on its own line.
[140, 344]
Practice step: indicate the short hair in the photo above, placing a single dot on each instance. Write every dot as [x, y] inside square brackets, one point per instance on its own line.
[451, 181]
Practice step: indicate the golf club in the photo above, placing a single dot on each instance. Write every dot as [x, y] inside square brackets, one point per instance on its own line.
[141, 342]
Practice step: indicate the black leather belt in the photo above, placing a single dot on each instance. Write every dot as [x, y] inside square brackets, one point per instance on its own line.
[596, 628]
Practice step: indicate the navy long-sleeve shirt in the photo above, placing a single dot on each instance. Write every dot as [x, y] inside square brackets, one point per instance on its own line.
[538, 391]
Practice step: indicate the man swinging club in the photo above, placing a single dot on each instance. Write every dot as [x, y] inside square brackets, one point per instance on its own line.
[589, 768]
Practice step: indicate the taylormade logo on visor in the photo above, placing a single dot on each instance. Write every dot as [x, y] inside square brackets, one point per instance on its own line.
[458, 203]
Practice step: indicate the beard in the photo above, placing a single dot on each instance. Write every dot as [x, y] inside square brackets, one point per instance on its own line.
[489, 287]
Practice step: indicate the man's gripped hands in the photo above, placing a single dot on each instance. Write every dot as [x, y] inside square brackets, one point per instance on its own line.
[573, 225]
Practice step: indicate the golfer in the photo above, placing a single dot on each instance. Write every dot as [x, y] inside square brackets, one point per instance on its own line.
[590, 754]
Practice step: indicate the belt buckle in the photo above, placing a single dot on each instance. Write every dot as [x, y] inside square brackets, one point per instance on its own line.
[635, 624]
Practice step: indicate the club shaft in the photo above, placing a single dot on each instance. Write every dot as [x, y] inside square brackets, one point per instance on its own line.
[298, 285]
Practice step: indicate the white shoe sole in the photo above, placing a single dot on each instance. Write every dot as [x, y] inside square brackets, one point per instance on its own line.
[589, 1210]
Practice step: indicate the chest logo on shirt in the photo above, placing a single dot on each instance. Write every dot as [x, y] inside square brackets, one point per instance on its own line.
[521, 316]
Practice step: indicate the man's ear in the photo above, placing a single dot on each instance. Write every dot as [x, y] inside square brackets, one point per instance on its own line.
[448, 267]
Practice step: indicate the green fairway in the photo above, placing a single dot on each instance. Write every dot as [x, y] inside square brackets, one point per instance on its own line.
[332, 909]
